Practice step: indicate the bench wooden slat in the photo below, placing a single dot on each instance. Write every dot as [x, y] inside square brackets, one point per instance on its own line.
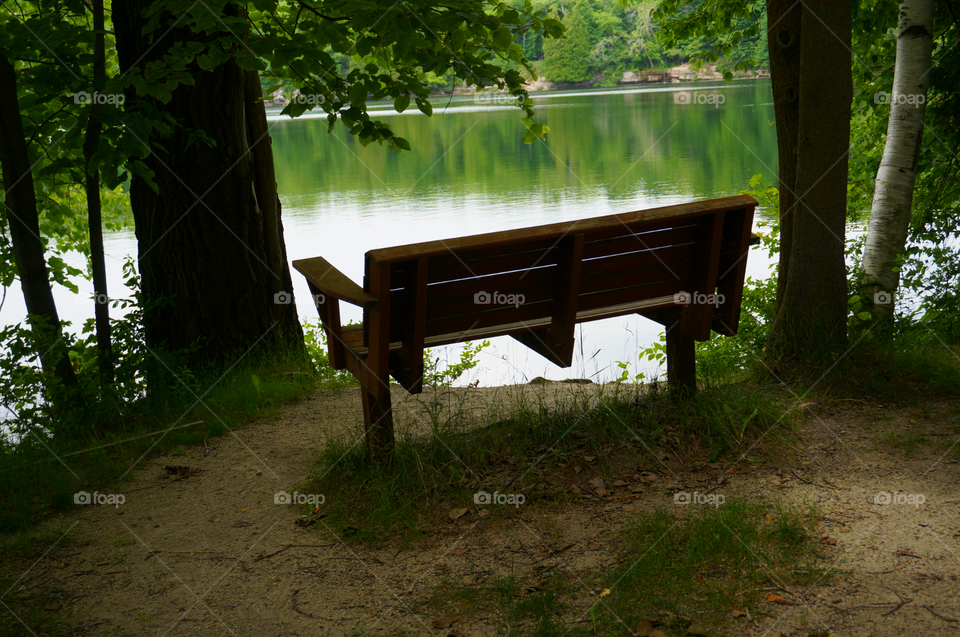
[408, 368]
[556, 341]
[695, 320]
[439, 340]
[738, 238]
[671, 214]
[625, 244]
[332, 282]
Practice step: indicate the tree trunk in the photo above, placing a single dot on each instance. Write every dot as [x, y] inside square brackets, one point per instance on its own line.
[210, 240]
[893, 193]
[91, 142]
[809, 323]
[28, 247]
[783, 44]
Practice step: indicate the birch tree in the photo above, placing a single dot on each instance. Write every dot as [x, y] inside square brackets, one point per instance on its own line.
[893, 192]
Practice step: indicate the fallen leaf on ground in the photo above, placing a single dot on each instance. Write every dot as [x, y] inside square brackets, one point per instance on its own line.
[445, 621]
[456, 514]
[776, 599]
[697, 629]
[598, 486]
[828, 540]
[738, 613]
[644, 629]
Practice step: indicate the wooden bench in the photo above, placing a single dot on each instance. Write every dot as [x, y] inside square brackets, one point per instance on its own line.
[536, 284]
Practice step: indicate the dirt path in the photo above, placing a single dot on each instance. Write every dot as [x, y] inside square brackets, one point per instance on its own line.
[208, 552]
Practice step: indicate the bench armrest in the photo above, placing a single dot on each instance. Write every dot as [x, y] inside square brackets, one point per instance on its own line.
[332, 282]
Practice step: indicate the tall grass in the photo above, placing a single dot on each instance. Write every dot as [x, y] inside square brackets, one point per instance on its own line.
[527, 442]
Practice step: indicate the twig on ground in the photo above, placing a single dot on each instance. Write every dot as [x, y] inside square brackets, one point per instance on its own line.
[823, 486]
[289, 546]
[884, 572]
[946, 619]
[902, 603]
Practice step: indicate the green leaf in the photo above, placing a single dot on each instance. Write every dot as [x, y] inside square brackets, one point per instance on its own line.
[401, 103]
[502, 38]
[206, 62]
[358, 93]
[401, 143]
[864, 316]
[425, 107]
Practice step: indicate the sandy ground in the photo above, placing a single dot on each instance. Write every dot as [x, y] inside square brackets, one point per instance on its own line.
[209, 552]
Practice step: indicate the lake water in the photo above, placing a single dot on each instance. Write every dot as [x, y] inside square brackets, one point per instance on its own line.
[608, 151]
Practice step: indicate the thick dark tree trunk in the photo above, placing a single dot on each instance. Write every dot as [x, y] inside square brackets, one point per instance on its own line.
[810, 317]
[20, 206]
[91, 142]
[783, 43]
[210, 240]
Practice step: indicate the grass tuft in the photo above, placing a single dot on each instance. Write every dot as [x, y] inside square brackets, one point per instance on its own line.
[535, 448]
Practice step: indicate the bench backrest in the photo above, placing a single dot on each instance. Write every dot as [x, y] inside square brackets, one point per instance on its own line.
[488, 284]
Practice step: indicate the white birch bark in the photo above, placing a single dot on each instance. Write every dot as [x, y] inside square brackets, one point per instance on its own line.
[893, 194]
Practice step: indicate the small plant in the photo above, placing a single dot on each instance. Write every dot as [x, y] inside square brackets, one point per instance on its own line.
[434, 375]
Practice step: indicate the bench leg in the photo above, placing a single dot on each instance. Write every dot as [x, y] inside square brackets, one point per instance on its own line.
[681, 362]
[378, 421]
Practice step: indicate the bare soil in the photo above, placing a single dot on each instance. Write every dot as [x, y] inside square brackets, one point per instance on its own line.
[202, 548]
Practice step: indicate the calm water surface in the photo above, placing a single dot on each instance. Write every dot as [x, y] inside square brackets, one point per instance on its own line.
[608, 151]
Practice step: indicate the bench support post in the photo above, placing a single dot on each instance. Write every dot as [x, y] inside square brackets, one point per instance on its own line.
[378, 421]
[375, 379]
[681, 361]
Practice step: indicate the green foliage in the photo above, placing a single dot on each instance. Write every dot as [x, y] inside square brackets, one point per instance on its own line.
[568, 60]
[315, 339]
[433, 375]
[730, 33]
